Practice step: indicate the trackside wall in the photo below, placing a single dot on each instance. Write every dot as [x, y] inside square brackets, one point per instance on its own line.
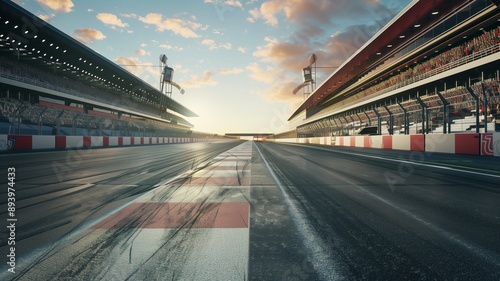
[29, 142]
[485, 144]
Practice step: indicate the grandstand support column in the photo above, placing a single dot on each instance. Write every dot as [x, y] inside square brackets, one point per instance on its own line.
[40, 125]
[405, 120]
[19, 118]
[446, 115]
[335, 124]
[485, 106]
[19, 125]
[425, 117]
[341, 128]
[476, 98]
[360, 121]
[391, 121]
[369, 119]
[74, 124]
[346, 123]
[379, 118]
[40, 121]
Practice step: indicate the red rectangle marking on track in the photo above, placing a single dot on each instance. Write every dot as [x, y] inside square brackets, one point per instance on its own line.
[180, 215]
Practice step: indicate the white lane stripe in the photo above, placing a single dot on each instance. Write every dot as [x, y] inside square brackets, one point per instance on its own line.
[190, 193]
[318, 252]
[219, 173]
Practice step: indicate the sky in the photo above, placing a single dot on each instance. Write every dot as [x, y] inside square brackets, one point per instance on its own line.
[238, 61]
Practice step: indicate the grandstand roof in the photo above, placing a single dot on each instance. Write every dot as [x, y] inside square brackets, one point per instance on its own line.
[35, 41]
[409, 24]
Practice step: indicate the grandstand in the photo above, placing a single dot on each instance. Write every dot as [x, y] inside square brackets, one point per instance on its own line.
[433, 69]
[51, 84]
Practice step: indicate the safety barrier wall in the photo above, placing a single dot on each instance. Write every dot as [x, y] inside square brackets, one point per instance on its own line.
[42, 142]
[486, 144]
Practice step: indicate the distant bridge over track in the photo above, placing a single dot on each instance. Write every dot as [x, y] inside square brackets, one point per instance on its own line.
[255, 136]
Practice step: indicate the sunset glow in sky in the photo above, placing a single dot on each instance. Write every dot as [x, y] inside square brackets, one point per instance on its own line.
[238, 61]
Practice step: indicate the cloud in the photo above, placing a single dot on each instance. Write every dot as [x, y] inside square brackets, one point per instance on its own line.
[137, 67]
[180, 69]
[285, 60]
[62, 6]
[130, 15]
[88, 35]
[268, 75]
[282, 92]
[198, 81]
[319, 11]
[242, 50]
[281, 60]
[226, 71]
[170, 47]
[267, 11]
[341, 45]
[180, 27]
[213, 46]
[140, 52]
[231, 3]
[110, 19]
[288, 55]
[46, 18]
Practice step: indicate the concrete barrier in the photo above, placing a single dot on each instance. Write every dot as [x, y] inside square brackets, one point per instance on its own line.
[486, 144]
[43, 142]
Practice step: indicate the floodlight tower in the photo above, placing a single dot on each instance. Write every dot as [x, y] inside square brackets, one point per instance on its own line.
[308, 80]
[167, 73]
[309, 76]
[166, 77]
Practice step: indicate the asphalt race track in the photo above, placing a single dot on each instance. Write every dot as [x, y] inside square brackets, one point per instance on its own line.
[251, 211]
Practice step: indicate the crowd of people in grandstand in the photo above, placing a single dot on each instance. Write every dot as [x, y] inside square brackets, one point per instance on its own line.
[460, 101]
[483, 44]
[53, 116]
[19, 71]
[41, 115]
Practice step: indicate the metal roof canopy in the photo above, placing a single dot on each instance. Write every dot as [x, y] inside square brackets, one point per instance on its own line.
[61, 53]
[411, 22]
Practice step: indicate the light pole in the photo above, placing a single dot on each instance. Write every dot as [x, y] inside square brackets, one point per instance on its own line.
[307, 74]
[166, 76]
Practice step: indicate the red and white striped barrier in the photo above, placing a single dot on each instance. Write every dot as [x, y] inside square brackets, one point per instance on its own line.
[38, 142]
[486, 144]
